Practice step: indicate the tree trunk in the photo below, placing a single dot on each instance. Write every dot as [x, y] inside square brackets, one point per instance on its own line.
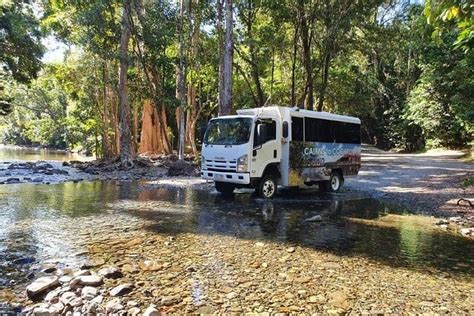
[225, 104]
[220, 40]
[105, 115]
[150, 140]
[180, 87]
[193, 109]
[307, 61]
[293, 67]
[124, 127]
[324, 80]
[167, 148]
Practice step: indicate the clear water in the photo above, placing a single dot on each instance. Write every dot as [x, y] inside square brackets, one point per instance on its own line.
[13, 153]
[52, 222]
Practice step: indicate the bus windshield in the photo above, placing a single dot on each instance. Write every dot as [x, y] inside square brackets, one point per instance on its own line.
[228, 131]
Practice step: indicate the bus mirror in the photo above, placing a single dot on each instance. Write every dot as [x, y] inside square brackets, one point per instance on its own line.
[285, 130]
[261, 133]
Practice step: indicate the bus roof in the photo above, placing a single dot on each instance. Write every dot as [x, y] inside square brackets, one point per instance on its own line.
[282, 111]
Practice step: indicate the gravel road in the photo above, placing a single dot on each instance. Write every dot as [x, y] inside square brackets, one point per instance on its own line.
[428, 183]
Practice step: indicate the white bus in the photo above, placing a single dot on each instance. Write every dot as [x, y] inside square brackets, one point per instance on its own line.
[264, 148]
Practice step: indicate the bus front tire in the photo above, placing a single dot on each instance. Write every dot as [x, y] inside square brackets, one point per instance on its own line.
[225, 188]
[267, 188]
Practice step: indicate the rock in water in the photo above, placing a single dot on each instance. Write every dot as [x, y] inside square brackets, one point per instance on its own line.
[133, 311]
[315, 218]
[151, 311]
[149, 265]
[111, 272]
[114, 306]
[41, 285]
[122, 289]
[92, 264]
[89, 292]
[91, 280]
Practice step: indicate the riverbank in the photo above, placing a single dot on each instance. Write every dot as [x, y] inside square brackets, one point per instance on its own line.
[42, 172]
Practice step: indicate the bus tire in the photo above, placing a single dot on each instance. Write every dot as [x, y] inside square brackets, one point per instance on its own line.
[267, 188]
[335, 182]
[225, 188]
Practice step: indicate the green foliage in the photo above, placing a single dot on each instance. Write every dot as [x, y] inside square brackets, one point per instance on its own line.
[406, 70]
[452, 15]
[20, 47]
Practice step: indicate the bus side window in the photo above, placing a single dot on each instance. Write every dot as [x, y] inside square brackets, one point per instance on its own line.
[271, 131]
[297, 129]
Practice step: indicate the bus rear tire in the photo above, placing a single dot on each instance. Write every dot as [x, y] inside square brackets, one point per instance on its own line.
[267, 188]
[334, 184]
[225, 188]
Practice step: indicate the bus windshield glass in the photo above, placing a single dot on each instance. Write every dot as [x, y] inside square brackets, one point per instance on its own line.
[228, 131]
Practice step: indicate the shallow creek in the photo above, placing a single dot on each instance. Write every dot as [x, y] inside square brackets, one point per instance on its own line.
[372, 253]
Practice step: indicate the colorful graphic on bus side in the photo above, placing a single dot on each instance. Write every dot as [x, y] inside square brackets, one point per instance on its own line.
[313, 161]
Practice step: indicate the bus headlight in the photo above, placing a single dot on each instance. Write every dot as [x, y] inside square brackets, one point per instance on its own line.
[242, 163]
[203, 162]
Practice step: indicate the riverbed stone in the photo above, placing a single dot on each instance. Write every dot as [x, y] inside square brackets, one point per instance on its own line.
[91, 280]
[81, 273]
[65, 279]
[111, 272]
[48, 268]
[56, 308]
[315, 218]
[92, 264]
[71, 299]
[53, 295]
[41, 285]
[114, 306]
[121, 289]
[89, 292]
[151, 311]
[149, 265]
[134, 311]
[13, 180]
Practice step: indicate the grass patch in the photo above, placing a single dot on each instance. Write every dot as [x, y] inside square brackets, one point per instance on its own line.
[468, 182]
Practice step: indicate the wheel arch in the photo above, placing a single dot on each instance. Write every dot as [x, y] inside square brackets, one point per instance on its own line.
[272, 168]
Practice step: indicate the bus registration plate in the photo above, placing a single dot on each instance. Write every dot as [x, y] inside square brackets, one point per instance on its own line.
[218, 176]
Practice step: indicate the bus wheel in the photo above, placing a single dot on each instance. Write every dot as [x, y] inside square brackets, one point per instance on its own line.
[267, 187]
[225, 188]
[335, 182]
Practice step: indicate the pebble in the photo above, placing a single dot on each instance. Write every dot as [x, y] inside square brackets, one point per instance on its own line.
[134, 311]
[151, 311]
[71, 299]
[89, 292]
[121, 289]
[315, 218]
[113, 306]
[111, 272]
[91, 280]
[41, 285]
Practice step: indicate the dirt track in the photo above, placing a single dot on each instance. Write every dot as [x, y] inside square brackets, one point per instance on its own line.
[428, 183]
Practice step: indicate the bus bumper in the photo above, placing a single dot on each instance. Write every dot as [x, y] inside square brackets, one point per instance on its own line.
[231, 177]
